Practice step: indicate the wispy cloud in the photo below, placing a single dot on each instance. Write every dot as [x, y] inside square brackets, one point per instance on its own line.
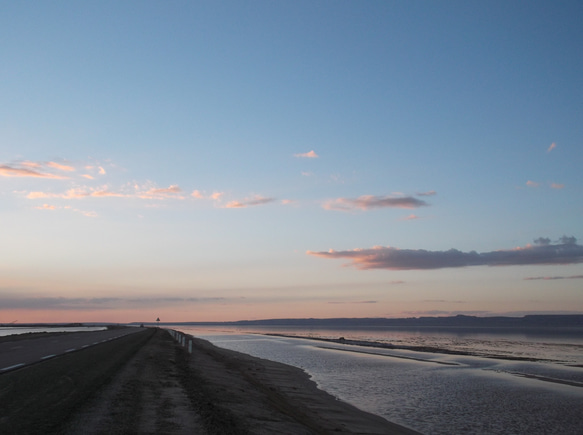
[98, 169]
[367, 202]
[60, 167]
[250, 202]
[106, 303]
[429, 193]
[215, 196]
[310, 155]
[102, 193]
[411, 217]
[172, 192]
[50, 169]
[551, 147]
[75, 193]
[566, 251]
[46, 207]
[531, 183]
[85, 213]
[551, 278]
[11, 171]
[353, 302]
[557, 186]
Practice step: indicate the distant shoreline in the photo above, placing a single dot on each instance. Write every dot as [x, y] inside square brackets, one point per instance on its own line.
[527, 322]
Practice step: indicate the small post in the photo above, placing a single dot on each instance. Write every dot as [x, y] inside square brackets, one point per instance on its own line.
[189, 346]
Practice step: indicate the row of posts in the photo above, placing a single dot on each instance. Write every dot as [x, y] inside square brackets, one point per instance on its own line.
[181, 339]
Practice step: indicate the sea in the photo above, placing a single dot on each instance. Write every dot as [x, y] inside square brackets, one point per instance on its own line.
[434, 380]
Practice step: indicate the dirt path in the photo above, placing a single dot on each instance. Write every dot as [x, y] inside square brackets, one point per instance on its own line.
[145, 397]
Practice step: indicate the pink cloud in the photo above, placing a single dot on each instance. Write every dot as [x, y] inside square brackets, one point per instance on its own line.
[410, 217]
[38, 195]
[103, 193]
[530, 183]
[9, 171]
[160, 193]
[557, 186]
[565, 251]
[69, 194]
[99, 169]
[29, 164]
[197, 194]
[60, 167]
[551, 147]
[46, 207]
[215, 196]
[310, 155]
[367, 202]
[249, 202]
[172, 192]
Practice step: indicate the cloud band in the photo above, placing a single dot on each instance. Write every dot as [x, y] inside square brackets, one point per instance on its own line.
[567, 251]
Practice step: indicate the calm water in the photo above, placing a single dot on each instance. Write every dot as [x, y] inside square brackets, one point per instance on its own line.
[437, 393]
[4, 331]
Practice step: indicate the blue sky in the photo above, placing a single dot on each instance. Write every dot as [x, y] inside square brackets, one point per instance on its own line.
[198, 160]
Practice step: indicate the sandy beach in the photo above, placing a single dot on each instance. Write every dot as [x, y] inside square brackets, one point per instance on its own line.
[149, 383]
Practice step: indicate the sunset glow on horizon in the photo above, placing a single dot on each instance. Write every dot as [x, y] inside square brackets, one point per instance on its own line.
[231, 160]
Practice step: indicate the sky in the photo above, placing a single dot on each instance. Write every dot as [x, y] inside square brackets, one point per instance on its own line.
[230, 160]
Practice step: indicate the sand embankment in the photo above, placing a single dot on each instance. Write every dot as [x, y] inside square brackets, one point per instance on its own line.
[147, 383]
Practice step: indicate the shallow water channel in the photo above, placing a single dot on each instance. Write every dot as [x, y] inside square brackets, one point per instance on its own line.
[429, 392]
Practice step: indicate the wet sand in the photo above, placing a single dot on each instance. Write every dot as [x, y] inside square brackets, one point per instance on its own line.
[157, 386]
